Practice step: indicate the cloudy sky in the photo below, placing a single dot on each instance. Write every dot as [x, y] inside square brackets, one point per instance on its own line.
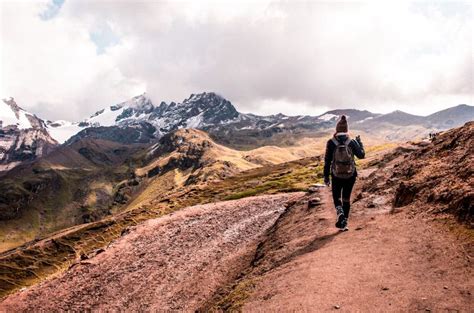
[67, 59]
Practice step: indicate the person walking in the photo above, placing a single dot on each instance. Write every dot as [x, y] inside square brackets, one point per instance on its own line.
[339, 165]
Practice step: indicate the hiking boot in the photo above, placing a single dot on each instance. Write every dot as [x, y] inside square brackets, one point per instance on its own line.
[340, 217]
[344, 226]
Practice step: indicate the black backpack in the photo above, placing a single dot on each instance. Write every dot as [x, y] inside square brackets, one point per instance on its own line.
[343, 164]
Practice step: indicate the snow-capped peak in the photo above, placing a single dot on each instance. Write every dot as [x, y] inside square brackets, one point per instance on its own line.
[139, 102]
[205, 96]
[137, 106]
[12, 115]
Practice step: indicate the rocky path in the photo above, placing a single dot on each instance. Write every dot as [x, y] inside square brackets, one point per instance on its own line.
[171, 263]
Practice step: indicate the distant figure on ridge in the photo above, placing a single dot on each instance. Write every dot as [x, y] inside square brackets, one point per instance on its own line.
[339, 163]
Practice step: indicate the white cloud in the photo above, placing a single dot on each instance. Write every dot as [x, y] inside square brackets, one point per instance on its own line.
[295, 57]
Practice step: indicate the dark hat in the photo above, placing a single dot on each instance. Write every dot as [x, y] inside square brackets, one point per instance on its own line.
[341, 126]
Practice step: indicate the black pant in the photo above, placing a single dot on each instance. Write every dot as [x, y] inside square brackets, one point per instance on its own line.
[344, 187]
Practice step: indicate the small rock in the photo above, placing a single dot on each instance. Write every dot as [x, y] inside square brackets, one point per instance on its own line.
[445, 287]
[428, 310]
[314, 202]
[337, 307]
[312, 190]
[385, 288]
[358, 228]
[99, 251]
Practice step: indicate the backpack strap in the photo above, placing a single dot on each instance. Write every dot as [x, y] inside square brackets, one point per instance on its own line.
[335, 141]
[348, 141]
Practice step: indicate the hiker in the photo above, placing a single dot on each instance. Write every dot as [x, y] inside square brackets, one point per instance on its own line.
[339, 163]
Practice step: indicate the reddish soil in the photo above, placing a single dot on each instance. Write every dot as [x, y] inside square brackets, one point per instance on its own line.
[175, 262]
[385, 263]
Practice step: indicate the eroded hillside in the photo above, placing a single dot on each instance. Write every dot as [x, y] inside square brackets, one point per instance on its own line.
[430, 177]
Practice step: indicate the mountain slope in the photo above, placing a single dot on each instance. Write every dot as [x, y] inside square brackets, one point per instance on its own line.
[273, 252]
[398, 118]
[188, 159]
[23, 136]
[88, 179]
[163, 252]
[352, 115]
[71, 185]
[433, 177]
[450, 117]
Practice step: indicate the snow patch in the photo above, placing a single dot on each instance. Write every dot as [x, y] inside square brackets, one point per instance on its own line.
[328, 117]
[195, 121]
[9, 118]
[24, 122]
[106, 118]
[63, 132]
[365, 119]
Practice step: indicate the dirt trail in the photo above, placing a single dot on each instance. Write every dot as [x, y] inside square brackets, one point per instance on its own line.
[385, 263]
[175, 262]
[269, 253]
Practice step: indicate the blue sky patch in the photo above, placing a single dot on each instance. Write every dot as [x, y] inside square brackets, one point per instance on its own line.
[52, 10]
[103, 38]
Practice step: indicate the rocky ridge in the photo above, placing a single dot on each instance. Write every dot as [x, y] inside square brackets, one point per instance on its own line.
[23, 136]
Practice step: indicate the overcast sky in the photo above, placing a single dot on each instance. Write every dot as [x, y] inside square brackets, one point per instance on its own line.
[67, 59]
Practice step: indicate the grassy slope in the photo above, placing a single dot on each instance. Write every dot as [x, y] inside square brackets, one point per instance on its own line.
[60, 190]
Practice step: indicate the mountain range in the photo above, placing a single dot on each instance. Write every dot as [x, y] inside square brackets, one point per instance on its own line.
[24, 136]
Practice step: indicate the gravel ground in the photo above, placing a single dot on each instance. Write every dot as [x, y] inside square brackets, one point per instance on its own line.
[174, 263]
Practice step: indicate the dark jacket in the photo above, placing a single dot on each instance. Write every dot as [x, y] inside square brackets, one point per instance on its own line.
[356, 146]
